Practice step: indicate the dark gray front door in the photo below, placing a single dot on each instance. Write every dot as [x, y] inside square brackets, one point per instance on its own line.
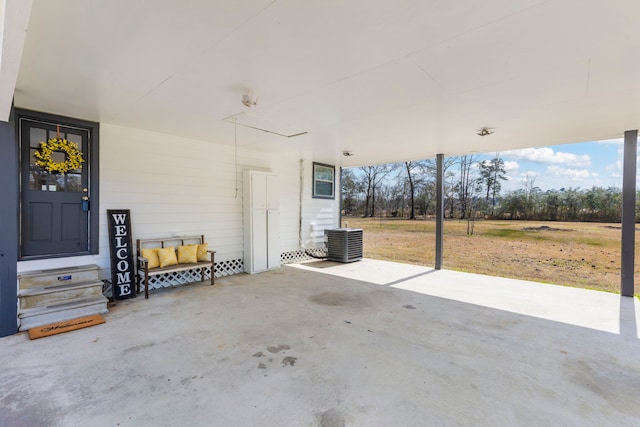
[53, 221]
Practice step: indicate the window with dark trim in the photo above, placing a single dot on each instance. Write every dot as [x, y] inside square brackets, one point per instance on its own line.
[323, 181]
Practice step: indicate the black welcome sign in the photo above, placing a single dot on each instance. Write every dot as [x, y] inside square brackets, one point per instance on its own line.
[122, 265]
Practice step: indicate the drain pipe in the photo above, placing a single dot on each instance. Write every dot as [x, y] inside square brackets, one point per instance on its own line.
[300, 204]
[339, 192]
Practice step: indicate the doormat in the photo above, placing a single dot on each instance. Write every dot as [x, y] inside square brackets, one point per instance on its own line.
[66, 326]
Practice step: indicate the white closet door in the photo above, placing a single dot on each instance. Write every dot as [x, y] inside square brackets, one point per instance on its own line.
[259, 191]
[273, 199]
[259, 225]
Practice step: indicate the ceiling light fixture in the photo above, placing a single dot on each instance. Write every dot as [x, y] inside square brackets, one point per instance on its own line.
[485, 131]
[249, 99]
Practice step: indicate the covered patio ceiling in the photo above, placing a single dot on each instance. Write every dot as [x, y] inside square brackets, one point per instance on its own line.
[386, 80]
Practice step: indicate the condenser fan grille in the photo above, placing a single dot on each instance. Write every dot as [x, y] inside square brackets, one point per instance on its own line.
[344, 244]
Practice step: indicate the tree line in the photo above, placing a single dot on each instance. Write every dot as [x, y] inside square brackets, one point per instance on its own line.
[472, 190]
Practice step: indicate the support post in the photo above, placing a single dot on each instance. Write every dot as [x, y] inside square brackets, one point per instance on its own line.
[439, 209]
[8, 228]
[628, 213]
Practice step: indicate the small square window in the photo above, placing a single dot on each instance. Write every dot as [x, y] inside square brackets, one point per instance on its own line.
[323, 181]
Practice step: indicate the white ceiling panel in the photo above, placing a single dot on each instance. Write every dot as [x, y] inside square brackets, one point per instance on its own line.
[511, 48]
[390, 87]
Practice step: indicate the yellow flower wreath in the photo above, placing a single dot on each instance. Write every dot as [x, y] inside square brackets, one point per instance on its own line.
[44, 155]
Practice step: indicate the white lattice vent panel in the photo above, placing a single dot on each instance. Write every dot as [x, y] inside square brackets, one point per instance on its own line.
[222, 268]
[293, 257]
[227, 268]
[177, 278]
[302, 255]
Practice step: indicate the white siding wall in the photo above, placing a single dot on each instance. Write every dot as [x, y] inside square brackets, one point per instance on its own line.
[176, 185]
[287, 168]
[317, 214]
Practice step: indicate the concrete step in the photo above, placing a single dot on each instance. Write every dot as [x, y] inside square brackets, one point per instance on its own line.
[71, 309]
[57, 293]
[44, 278]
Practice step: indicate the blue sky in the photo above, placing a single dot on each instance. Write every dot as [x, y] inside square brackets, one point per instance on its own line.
[580, 165]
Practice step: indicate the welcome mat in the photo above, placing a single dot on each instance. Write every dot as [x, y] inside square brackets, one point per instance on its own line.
[66, 326]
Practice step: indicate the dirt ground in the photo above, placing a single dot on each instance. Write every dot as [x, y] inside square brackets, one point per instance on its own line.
[585, 255]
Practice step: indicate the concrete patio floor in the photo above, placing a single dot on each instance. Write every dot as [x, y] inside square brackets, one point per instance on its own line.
[370, 343]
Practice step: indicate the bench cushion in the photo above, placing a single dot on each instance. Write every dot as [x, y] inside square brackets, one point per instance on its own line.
[187, 254]
[151, 255]
[202, 252]
[167, 256]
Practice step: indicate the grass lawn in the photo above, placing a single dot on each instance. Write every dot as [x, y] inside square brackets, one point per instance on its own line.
[580, 254]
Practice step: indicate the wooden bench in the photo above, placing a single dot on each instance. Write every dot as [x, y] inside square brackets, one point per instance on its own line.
[144, 272]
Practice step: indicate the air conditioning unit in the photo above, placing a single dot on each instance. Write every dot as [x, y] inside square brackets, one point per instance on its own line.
[344, 244]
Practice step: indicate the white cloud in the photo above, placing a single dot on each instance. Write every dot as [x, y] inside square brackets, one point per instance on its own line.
[510, 167]
[570, 174]
[615, 167]
[547, 155]
[511, 170]
[616, 141]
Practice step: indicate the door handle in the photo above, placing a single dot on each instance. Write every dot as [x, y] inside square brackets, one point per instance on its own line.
[85, 200]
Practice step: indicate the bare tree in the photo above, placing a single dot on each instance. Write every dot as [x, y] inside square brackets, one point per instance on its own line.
[397, 198]
[471, 207]
[412, 168]
[372, 177]
[351, 187]
[530, 192]
[367, 180]
[466, 183]
[448, 176]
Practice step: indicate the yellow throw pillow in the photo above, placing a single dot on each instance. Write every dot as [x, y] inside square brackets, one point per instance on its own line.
[152, 256]
[167, 256]
[187, 254]
[202, 252]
